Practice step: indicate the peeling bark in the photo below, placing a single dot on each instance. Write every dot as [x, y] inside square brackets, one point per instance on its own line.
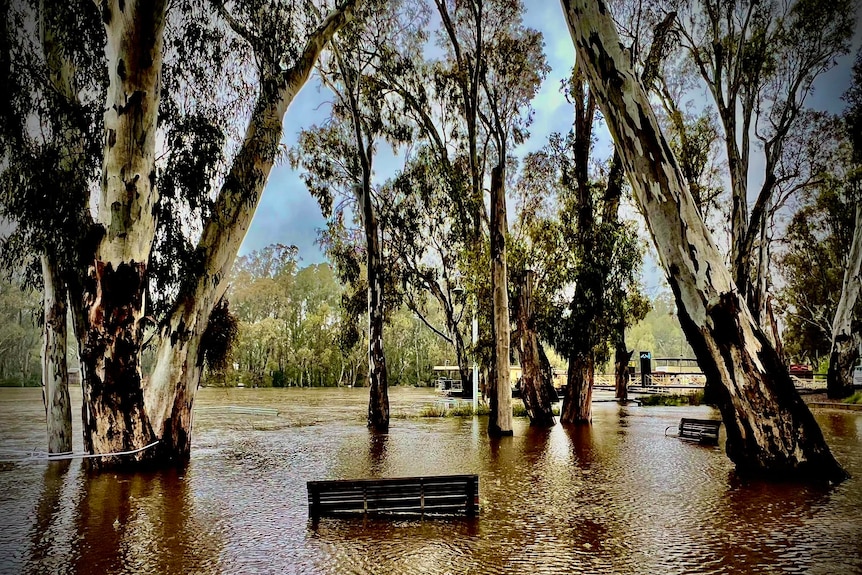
[770, 431]
[534, 387]
[845, 343]
[500, 420]
[55, 375]
[116, 287]
[120, 413]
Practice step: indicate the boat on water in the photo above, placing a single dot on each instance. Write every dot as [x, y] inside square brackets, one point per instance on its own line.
[449, 383]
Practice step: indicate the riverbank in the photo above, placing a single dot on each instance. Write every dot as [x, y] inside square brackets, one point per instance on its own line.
[821, 401]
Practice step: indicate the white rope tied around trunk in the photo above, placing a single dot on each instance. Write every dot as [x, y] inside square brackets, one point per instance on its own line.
[45, 456]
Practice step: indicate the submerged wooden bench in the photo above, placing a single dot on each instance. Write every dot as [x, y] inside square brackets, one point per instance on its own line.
[433, 495]
[703, 431]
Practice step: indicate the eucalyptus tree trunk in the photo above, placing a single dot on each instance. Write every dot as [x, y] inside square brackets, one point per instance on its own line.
[845, 340]
[588, 301]
[115, 298]
[378, 401]
[580, 376]
[55, 374]
[500, 420]
[120, 413]
[534, 388]
[770, 431]
[622, 356]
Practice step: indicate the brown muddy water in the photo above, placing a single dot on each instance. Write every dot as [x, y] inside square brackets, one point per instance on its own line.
[616, 497]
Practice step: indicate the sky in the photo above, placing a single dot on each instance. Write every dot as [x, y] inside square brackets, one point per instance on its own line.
[289, 215]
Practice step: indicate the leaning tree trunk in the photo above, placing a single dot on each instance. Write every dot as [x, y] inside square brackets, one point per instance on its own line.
[500, 420]
[770, 431]
[55, 375]
[457, 340]
[162, 410]
[845, 347]
[534, 391]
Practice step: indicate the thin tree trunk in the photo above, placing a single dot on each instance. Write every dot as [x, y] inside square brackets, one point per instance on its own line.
[622, 356]
[378, 403]
[534, 392]
[547, 373]
[845, 344]
[55, 373]
[500, 420]
[770, 431]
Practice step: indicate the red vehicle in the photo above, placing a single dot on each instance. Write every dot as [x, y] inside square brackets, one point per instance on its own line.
[801, 370]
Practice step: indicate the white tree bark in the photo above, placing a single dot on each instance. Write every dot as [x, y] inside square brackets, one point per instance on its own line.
[845, 351]
[500, 420]
[114, 419]
[770, 431]
[55, 375]
[169, 395]
[121, 412]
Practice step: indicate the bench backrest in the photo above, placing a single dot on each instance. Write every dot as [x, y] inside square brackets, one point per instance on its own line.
[443, 494]
[702, 430]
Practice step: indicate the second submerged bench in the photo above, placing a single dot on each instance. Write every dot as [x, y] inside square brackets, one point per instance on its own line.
[430, 495]
[703, 431]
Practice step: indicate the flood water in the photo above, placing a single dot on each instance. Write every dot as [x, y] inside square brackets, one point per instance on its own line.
[615, 497]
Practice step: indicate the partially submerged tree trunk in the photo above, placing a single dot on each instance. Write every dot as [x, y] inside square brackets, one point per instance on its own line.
[587, 302]
[622, 356]
[534, 388]
[378, 402]
[577, 407]
[770, 431]
[845, 340]
[120, 413]
[500, 420]
[115, 418]
[55, 375]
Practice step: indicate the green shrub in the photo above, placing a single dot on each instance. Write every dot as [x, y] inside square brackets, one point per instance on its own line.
[457, 410]
[695, 398]
[856, 398]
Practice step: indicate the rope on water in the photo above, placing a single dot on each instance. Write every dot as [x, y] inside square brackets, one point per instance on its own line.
[45, 456]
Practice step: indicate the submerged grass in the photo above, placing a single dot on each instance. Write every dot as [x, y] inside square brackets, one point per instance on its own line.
[855, 399]
[466, 410]
[695, 398]
[457, 410]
